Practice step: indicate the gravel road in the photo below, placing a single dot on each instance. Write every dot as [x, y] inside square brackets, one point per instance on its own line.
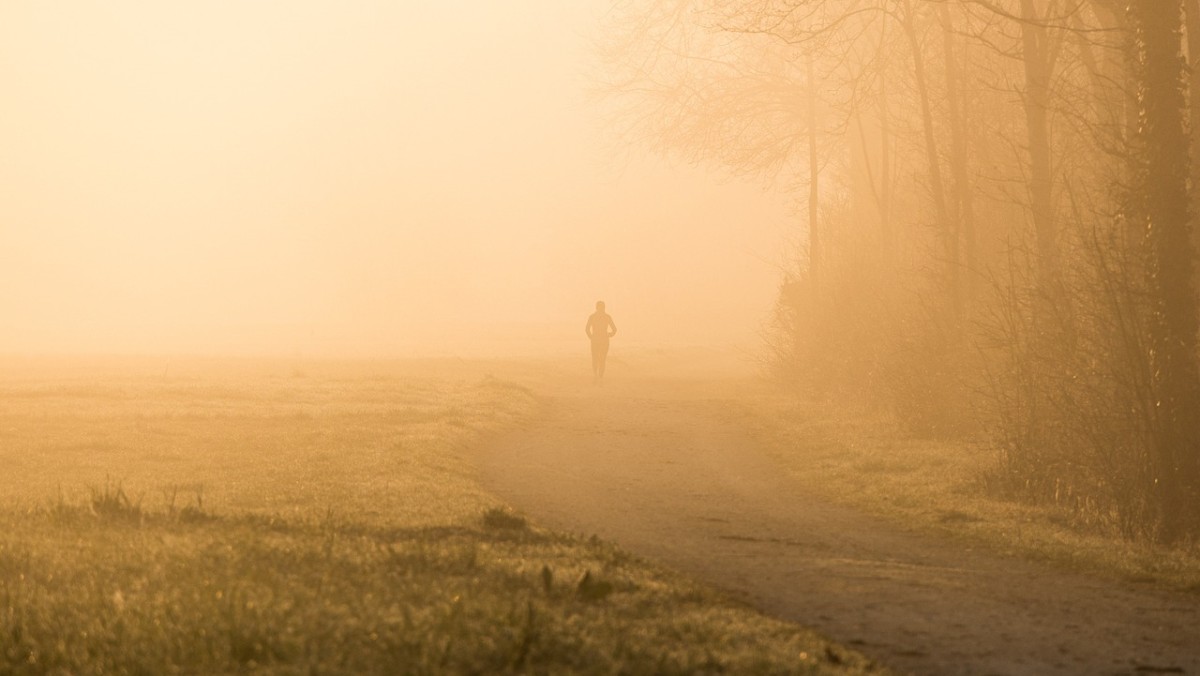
[658, 467]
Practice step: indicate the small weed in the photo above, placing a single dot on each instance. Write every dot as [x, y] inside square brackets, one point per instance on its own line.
[110, 502]
[502, 518]
[190, 513]
[61, 510]
[592, 588]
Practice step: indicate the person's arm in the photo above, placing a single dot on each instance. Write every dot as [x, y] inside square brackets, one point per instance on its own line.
[612, 328]
[587, 328]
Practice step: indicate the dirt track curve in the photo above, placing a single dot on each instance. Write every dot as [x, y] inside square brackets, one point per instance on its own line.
[653, 467]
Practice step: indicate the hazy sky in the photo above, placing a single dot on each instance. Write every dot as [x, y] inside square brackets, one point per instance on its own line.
[357, 178]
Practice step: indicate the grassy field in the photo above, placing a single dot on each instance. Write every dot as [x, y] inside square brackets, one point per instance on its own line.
[267, 517]
[863, 458]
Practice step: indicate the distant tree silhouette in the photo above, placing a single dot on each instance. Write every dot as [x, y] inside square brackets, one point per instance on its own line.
[998, 212]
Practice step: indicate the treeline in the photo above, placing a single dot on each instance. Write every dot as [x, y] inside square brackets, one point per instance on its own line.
[996, 214]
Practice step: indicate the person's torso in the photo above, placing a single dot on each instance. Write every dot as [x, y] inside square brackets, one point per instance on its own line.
[599, 321]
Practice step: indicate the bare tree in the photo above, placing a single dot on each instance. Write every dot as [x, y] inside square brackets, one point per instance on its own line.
[1074, 203]
[1159, 203]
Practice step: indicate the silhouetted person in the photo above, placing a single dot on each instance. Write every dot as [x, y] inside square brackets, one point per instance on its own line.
[599, 329]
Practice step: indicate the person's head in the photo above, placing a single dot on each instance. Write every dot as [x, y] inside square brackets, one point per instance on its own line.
[600, 306]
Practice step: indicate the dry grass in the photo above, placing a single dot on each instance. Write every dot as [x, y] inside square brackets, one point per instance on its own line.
[864, 459]
[272, 519]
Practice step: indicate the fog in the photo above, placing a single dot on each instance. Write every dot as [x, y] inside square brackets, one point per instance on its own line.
[349, 179]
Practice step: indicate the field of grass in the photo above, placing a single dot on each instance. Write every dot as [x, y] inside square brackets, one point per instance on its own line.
[864, 459]
[219, 517]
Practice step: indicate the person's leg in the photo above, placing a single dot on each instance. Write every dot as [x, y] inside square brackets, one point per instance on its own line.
[603, 357]
[597, 360]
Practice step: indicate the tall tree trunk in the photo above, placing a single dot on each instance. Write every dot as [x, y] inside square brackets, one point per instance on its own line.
[885, 173]
[1036, 60]
[1119, 96]
[945, 228]
[1108, 71]
[1161, 206]
[814, 193]
[962, 202]
[1192, 18]
[864, 156]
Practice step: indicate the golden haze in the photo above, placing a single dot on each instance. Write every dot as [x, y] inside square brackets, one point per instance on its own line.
[367, 178]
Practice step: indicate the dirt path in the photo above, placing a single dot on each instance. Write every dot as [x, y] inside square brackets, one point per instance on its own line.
[653, 467]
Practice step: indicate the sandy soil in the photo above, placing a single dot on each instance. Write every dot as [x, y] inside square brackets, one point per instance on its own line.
[661, 468]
